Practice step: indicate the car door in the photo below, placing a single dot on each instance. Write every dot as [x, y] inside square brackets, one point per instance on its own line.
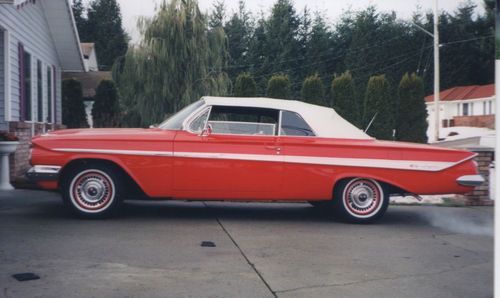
[304, 178]
[240, 157]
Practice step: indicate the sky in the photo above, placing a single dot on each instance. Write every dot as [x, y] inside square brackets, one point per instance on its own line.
[332, 9]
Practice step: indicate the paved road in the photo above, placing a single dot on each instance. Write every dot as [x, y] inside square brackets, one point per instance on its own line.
[262, 250]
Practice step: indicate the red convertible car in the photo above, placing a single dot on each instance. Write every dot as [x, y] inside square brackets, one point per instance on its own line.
[245, 149]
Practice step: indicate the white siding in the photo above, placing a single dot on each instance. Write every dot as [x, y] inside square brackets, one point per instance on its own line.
[3, 125]
[28, 25]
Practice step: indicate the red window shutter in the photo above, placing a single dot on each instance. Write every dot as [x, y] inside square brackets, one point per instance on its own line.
[54, 93]
[22, 95]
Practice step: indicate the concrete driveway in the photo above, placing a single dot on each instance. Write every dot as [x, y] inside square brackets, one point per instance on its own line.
[262, 250]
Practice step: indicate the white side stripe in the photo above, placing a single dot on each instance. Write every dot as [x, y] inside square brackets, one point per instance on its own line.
[416, 165]
[331, 161]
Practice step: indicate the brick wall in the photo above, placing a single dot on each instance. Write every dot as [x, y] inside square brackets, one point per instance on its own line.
[475, 121]
[481, 194]
[19, 160]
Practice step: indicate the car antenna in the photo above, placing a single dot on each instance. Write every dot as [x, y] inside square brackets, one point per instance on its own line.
[370, 124]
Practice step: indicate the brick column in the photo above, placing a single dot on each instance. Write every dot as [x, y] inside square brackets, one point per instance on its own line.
[19, 160]
[481, 194]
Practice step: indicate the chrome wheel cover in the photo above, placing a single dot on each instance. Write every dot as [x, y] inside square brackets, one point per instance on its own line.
[363, 197]
[92, 191]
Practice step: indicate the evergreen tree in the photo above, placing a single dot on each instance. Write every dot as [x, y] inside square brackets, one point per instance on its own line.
[104, 25]
[245, 85]
[279, 87]
[344, 98]
[313, 91]
[238, 30]
[282, 47]
[81, 22]
[177, 61]
[218, 15]
[378, 104]
[319, 49]
[411, 125]
[73, 109]
[106, 109]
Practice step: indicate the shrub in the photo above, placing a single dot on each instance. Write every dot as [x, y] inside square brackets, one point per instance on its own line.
[106, 109]
[73, 109]
[379, 104]
[278, 86]
[313, 91]
[245, 85]
[411, 124]
[344, 98]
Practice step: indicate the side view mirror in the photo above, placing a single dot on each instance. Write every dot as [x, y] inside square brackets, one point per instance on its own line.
[207, 131]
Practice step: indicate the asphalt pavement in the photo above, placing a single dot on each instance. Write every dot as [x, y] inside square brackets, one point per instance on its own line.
[152, 249]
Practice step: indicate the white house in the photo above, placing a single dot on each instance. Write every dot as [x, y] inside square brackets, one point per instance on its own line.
[467, 117]
[470, 106]
[38, 41]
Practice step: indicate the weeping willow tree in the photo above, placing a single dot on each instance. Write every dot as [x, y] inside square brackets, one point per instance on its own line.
[178, 60]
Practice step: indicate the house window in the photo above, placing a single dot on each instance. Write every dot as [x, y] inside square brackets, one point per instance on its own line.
[465, 109]
[54, 91]
[24, 83]
[49, 94]
[490, 109]
[471, 109]
[39, 91]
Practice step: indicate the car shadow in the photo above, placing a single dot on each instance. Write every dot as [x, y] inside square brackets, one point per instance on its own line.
[239, 211]
[295, 212]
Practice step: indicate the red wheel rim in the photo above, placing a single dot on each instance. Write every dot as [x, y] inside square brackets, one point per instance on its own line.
[362, 197]
[92, 190]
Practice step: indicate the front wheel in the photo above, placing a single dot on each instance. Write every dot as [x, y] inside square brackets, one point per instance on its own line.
[360, 200]
[92, 190]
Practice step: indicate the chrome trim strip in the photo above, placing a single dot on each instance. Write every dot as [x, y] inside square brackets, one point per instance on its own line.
[45, 169]
[415, 165]
[43, 173]
[112, 151]
[470, 180]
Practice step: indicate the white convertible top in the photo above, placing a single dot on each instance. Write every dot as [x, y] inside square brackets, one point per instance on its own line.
[324, 121]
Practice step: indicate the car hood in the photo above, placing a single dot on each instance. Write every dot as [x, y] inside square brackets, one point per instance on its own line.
[93, 137]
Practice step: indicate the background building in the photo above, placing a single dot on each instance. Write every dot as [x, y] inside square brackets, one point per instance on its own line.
[468, 106]
[38, 41]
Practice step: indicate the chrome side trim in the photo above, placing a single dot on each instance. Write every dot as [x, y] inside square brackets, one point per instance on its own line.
[470, 180]
[414, 165]
[112, 151]
[46, 169]
[43, 172]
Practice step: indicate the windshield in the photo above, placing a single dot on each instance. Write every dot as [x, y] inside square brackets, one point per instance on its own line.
[175, 121]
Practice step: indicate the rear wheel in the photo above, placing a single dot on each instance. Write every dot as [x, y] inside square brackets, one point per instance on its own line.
[92, 190]
[360, 200]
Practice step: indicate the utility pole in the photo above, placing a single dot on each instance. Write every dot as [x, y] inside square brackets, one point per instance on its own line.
[436, 72]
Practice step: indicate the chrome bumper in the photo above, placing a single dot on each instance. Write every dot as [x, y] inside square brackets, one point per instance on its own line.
[470, 180]
[38, 173]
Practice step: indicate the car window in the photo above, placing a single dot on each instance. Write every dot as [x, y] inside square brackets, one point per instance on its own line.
[293, 125]
[198, 124]
[175, 121]
[243, 120]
